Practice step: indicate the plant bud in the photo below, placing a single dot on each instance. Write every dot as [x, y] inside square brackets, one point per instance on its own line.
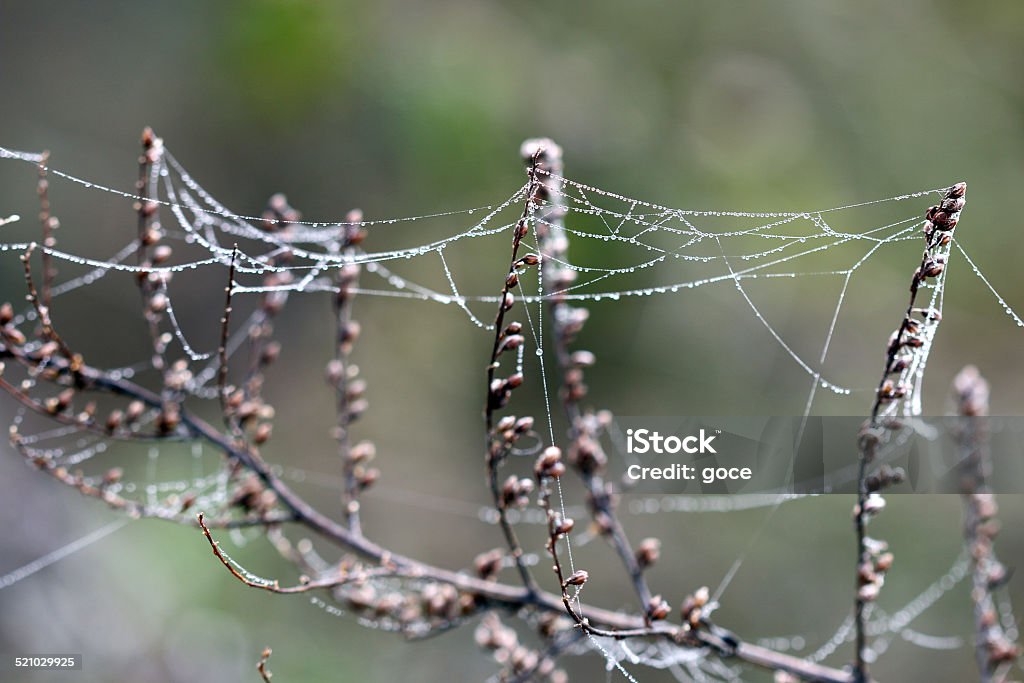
[488, 564]
[564, 526]
[658, 608]
[262, 434]
[648, 552]
[549, 464]
[524, 424]
[506, 423]
[364, 451]
[578, 578]
[161, 254]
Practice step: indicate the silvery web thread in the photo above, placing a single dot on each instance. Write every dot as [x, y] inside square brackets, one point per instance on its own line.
[219, 210]
[626, 649]
[850, 272]
[537, 332]
[824, 353]
[920, 639]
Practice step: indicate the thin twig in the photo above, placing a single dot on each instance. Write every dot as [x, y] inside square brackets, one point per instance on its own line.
[566, 321]
[994, 652]
[499, 390]
[222, 347]
[48, 223]
[905, 357]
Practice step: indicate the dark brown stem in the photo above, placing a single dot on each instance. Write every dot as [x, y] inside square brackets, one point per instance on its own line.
[498, 391]
[347, 388]
[566, 321]
[48, 223]
[994, 652]
[150, 233]
[222, 347]
[904, 359]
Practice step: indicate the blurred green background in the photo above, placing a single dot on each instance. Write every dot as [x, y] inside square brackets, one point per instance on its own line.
[406, 108]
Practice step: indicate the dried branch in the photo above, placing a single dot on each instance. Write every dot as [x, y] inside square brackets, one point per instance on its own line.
[906, 355]
[148, 250]
[994, 652]
[222, 347]
[585, 452]
[348, 387]
[501, 438]
[49, 223]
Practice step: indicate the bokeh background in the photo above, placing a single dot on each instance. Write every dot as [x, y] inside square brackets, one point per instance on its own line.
[406, 108]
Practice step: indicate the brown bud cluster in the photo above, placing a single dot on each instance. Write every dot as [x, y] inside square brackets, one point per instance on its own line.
[519, 661]
[515, 493]
[658, 608]
[885, 477]
[549, 465]
[872, 569]
[488, 564]
[692, 610]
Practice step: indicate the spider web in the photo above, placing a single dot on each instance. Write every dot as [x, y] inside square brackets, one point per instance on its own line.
[624, 248]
